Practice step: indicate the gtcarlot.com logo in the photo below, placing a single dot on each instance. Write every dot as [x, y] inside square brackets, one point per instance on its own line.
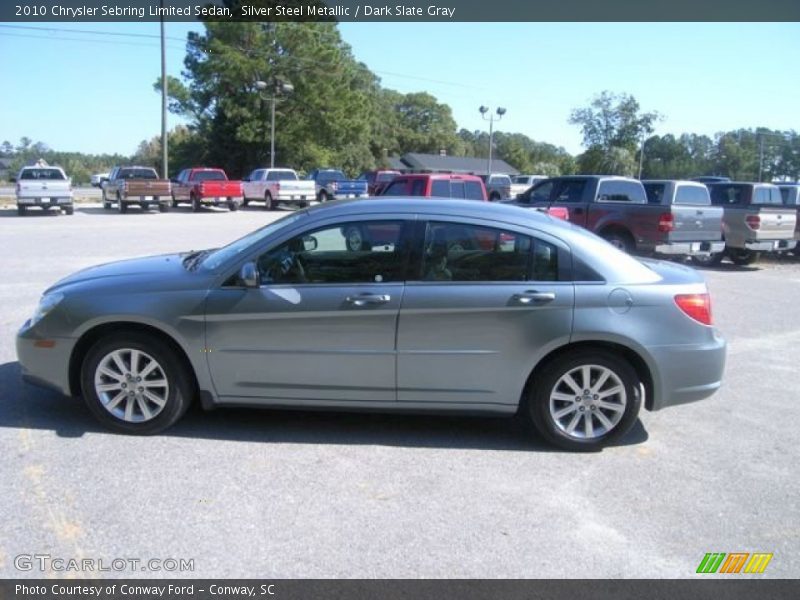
[47, 562]
[735, 562]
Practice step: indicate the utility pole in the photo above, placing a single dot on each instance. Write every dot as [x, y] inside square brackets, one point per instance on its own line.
[164, 141]
[641, 157]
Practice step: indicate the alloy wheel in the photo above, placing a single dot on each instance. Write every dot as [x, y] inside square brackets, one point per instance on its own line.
[131, 385]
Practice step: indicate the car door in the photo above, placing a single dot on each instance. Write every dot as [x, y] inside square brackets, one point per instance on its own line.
[482, 304]
[321, 327]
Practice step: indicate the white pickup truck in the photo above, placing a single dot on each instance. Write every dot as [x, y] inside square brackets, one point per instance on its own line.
[272, 186]
[43, 187]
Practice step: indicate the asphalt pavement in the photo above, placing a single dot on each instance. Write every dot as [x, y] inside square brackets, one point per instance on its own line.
[312, 494]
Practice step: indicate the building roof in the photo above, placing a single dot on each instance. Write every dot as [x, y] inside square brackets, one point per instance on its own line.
[414, 161]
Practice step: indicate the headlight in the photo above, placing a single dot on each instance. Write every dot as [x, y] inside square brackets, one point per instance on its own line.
[46, 304]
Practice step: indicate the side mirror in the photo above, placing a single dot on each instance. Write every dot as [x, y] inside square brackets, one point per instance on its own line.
[310, 243]
[248, 275]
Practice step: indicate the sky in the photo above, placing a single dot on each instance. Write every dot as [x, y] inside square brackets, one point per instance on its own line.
[78, 91]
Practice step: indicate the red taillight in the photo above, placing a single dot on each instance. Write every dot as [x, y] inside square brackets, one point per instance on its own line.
[696, 306]
[753, 222]
[559, 212]
[666, 222]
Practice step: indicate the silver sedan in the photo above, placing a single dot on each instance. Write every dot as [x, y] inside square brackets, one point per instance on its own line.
[386, 305]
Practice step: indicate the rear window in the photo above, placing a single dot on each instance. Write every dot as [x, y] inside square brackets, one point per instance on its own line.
[208, 176]
[282, 176]
[655, 192]
[440, 188]
[690, 194]
[137, 174]
[42, 174]
[727, 195]
[767, 195]
[396, 188]
[330, 176]
[473, 190]
[500, 180]
[621, 191]
[520, 179]
[385, 176]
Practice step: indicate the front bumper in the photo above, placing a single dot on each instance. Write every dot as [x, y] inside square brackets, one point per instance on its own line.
[44, 361]
[688, 372]
[770, 245]
[690, 248]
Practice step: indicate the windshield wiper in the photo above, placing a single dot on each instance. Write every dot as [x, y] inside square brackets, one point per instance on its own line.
[194, 258]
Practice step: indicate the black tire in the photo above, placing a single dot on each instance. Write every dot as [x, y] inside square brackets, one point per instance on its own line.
[145, 206]
[121, 206]
[174, 202]
[106, 201]
[181, 388]
[69, 210]
[537, 407]
[163, 207]
[245, 202]
[743, 257]
[268, 202]
[709, 260]
[322, 196]
[233, 205]
[494, 197]
[196, 204]
[303, 204]
[620, 240]
[21, 211]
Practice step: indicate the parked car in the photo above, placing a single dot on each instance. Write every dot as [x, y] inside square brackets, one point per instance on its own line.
[711, 179]
[754, 221]
[273, 186]
[378, 179]
[133, 185]
[203, 186]
[498, 186]
[332, 184]
[790, 194]
[437, 185]
[617, 209]
[288, 317]
[98, 178]
[522, 183]
[44, 187]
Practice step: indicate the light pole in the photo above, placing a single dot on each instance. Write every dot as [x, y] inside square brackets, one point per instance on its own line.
[164, 141]
[277, 87]
[760, 136]
[491, 118]
[641, 157]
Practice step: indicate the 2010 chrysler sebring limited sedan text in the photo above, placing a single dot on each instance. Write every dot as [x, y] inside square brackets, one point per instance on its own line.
[385, 304]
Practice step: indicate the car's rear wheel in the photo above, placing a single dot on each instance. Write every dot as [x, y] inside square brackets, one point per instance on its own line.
[620, 240]
[163, 207]
[323, 196]
[121, 206]
[196, 204]
[742, 256]
[708, 260]
[21, 210]
[174, 202]
[584, 400]
[69, 210]
[134, 383]
[268, 203]
[245, 202]
[106, 201]
[233, 205]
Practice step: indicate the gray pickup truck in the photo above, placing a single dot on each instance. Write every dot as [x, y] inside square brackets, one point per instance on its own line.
[677, 219]
[790, 194]
[754, 221]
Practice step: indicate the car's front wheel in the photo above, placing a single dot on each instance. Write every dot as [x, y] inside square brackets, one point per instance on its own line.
[134, 383]
[584, 400]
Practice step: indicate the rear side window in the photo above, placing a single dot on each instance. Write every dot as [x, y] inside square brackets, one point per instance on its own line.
[396, 188]
[569, 191]
[727, 195]
[767, 195]
[655, 192]
[417, 187]
[541, 192]
[473, 190]
[691, 194]
[621, 191]
[790, 196]
[440, 188]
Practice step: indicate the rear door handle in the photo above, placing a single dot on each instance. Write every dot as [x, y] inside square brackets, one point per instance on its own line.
[365, 299]
[534, 297]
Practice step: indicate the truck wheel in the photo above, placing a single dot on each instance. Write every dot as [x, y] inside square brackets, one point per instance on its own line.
[21, 211]
[743, 257]
[268, 203]
[121, 206]
[323, 196]
[584, 400]
[708, 260]
[233, 205]
[494, 197]
[174, 202]
[106, 201]
[620, 240]
[245, 201]
[196, 204]
[145, 206]
[69, 210]
[163, 207]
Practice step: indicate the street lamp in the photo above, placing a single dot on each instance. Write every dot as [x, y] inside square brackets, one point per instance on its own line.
[278, 87]
[491, 118]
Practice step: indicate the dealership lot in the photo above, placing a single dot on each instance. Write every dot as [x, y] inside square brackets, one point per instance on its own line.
[298, 494]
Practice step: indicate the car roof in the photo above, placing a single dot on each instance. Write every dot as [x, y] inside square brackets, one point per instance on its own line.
[466, 176]
[681, 181]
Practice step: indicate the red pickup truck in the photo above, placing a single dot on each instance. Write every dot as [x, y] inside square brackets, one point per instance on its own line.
[204, 186]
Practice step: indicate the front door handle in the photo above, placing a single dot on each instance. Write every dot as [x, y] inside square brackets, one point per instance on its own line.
[534, 297]
[365, 299]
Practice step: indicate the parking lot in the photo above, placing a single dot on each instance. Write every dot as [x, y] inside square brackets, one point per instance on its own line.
[312, 494]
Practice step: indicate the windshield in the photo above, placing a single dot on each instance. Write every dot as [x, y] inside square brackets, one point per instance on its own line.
[222, 255]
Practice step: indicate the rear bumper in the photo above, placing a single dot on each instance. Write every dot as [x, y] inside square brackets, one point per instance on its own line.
[45, 201]
[44, 365]
[344, 195]
[688, 373]
[770, 245]
[690, 248]
[288, 197]
[219, 200]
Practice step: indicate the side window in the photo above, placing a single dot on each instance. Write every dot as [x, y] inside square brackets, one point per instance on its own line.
[462, 252]
[473, 190]
[569, 191]
[396, 188]
[655, 192]
[273, 176]
[692, 194]
[357, 252]
[620, 191]
[457, 189]
[417, 187]
[541, 192]
[727, 195]
[440, 188]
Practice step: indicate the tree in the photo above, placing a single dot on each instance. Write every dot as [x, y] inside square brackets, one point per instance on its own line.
[613, 121]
